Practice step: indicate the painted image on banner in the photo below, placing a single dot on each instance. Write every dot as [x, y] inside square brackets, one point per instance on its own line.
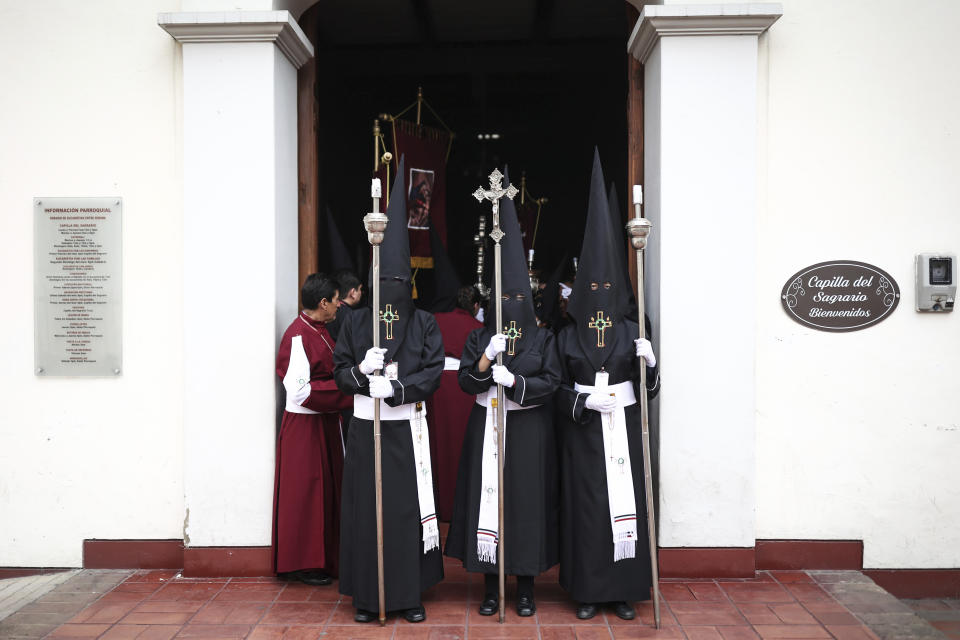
[418, 198]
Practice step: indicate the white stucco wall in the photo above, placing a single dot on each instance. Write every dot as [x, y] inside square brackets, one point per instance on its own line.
[89, 107]
[240, 207]
[701, 185]
[859, 433]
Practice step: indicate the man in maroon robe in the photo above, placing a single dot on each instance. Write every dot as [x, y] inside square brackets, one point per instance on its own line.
[306, 522]
[449, 408]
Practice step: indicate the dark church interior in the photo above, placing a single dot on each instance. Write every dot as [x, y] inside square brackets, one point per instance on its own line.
[546, 80]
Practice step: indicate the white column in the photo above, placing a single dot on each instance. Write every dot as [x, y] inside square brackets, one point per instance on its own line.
[240, 260]
[700, 127]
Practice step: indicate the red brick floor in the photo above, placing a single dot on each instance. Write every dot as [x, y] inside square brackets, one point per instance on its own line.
[158, 605]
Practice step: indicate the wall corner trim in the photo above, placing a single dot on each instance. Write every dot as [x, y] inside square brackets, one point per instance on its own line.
[278, 27]
[659, 21]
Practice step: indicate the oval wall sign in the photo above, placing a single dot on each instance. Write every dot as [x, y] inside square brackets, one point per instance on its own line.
[840, 295]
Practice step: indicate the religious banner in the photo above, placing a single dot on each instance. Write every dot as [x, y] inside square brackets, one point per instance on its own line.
[419, 197]
[425, 183]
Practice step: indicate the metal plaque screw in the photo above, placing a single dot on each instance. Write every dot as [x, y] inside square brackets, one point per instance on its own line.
[116, 371]
[39, 370]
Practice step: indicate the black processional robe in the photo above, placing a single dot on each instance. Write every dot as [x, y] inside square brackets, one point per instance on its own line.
[531, 500]
[407, 570]
[344, 311]
[587, 569]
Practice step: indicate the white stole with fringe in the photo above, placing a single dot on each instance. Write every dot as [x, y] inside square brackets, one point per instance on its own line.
[616, 453]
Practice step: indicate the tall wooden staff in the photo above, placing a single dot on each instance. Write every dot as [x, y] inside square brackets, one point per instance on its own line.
[376, 224]
[493, 194]
[638, 229]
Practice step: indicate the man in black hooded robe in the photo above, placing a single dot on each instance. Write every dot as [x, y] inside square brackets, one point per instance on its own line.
[530, 375]
[411, 362]
[605, 548]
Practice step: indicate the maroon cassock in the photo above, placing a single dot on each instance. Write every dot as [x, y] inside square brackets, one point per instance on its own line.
[449, 409]
[306, 513]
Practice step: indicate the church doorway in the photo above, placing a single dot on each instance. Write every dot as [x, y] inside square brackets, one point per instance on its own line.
[534, 84]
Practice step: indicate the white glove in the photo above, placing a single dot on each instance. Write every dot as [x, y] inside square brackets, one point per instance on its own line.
[602, 402]
[501, 375]
[497, 344]
[645, 351]
[372, 361]
[380, 387]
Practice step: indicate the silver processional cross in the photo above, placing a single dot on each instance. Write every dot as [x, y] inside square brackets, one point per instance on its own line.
[493, 194]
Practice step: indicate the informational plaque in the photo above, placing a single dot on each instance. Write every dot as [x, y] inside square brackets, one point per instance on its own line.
[840, 295]
[77, 286]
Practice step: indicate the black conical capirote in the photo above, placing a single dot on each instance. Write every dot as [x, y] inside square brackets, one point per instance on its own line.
[550, 294]
[616, 226]
[618, 238]
[445, 280]
[395, 250]
[513, 261]
[336, 257]
[598, 266]
[516, 280]
[395, 289]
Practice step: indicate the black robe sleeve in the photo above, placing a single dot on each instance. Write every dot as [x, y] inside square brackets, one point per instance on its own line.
[346, 369]
[570, 403]
[424, 378]
[653, 378]
[539, 385]
[653, 381]
[471, 379]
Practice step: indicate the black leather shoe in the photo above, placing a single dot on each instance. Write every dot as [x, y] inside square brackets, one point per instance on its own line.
[624, 611]
[586, 610]
[362, 615]
[526, 607]
[315, 578]
[417, 614]
[489, 606]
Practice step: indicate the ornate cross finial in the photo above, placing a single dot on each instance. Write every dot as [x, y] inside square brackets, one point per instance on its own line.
[513, 333]
[493, 194]
[388, 316]
[601, 324]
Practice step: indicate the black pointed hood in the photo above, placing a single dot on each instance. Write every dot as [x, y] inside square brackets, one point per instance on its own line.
[549, 310]
[618, 238]
[616, 225]
[445, 280]
[396, 302]
[600, 295]
[337, 257]
[518, 313]
[395, 250]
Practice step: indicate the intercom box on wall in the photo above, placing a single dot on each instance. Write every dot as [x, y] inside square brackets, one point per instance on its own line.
[936, 281]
